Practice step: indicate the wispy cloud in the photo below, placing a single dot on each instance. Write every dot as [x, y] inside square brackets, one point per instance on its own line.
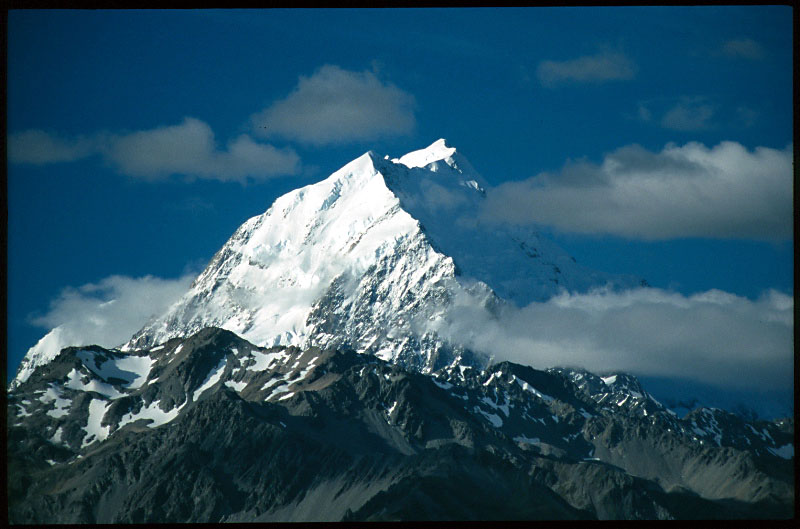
[108, 312]
[602, 67]
[188, 148]
[39, 147]
[336, 106]
[691, 191]
[743, 49]
[690, 113]
[712, 337]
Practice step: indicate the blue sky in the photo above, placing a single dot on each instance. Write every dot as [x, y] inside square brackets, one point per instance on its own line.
[140, 140]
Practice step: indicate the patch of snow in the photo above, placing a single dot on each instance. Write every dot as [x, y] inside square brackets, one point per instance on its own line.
[442, 384]
[287, 396]
[491, 378]
[786, 451]
[132, 369]
[493, 418]
[527, 440]
[528, 387]
[263, 360]
[74, 382]
[490, 402]
[93, 428]
[238, 386]
[212, 378]
[283, 388]
[62, 405]
[154, 413]
[57, 436]
[271, 382]
[609, 380]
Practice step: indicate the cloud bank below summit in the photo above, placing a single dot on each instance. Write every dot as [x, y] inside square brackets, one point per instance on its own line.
[712, 337]
[725, 192]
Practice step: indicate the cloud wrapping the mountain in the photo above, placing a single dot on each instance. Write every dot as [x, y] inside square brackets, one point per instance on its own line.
[691, 191]
[712, 337]
[602, 67]
[108, 312]
[188, 148]
[336, 106]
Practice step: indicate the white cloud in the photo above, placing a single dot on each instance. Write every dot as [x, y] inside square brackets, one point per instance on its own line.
[714, 337]
[336, 106]
[691, 113]
[604, 66]
[107, 313]
[689, 191]
[188, 148]
[743, 48]
[38, 147]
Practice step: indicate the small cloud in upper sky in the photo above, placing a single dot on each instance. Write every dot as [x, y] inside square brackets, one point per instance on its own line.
[690, 113]
[336, 106]
[746, 116]
[743, 49]
[188, 148]
[604, 66]
[692, 191]
[644, 113]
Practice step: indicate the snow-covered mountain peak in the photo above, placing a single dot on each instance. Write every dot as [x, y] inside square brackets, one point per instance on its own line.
[436, 151]
[373, 258]
[443, 159]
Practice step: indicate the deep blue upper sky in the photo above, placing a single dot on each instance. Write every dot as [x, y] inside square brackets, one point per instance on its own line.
[518, 91]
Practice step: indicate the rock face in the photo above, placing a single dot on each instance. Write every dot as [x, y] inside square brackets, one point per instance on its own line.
[211, 428]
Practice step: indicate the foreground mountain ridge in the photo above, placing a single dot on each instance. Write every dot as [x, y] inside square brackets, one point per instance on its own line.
[108, 436]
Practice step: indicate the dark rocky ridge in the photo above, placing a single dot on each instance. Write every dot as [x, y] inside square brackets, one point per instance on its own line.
[288, 435]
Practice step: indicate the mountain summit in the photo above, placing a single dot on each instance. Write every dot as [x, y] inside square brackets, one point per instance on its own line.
[373, 258]
[370, 259]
